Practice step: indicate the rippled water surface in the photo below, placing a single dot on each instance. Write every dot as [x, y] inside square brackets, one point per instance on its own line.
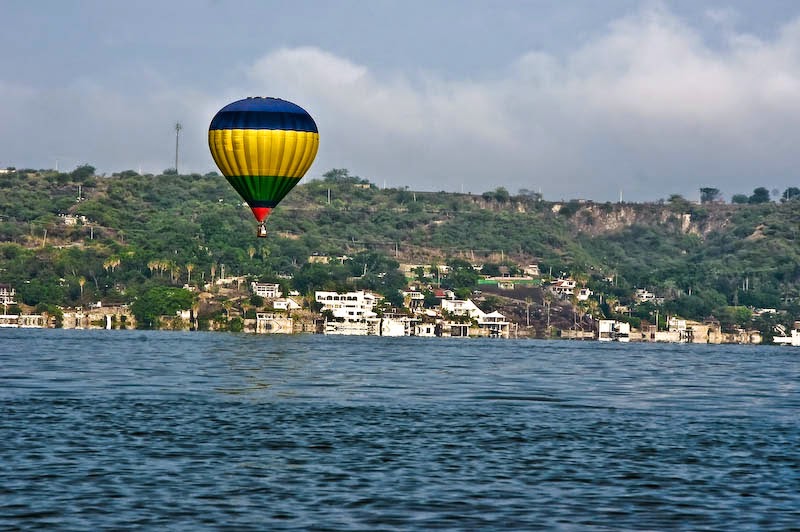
[208, 431]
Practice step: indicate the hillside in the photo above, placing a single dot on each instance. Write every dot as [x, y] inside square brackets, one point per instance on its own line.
[132, 232]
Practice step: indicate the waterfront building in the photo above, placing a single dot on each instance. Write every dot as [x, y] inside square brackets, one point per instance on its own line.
[348, 306]
[613, 331]
[495, 324]
[269, 323]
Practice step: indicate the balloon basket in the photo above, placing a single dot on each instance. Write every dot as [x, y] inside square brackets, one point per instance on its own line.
[262, 231]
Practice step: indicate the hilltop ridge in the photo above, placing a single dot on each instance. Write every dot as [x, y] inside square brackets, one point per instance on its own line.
[703, 259]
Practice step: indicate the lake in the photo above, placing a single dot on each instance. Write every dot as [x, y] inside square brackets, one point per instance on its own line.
[214, 431]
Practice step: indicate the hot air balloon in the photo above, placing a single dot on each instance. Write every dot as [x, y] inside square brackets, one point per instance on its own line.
[263, 146]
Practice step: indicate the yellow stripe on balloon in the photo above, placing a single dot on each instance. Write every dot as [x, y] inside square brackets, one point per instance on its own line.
[279, 152]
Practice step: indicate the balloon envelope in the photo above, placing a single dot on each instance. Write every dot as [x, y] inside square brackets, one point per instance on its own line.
[263, 147]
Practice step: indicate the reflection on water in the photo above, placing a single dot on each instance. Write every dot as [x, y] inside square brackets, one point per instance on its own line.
[177, 431]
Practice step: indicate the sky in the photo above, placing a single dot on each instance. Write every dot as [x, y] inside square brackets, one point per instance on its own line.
[576, 100]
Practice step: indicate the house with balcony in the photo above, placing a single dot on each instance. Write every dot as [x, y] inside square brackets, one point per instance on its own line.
[443, 294]
[266, 290]
[352, 306]
[462, 307]
[495, 325]
[352, 312]
[645, 296]
[563, 288]
[414, 300]
[7, 295]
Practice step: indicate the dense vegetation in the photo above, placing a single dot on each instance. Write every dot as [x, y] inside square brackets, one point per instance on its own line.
[143, 232]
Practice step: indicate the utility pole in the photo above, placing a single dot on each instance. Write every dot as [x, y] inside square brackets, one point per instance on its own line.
[178, 128]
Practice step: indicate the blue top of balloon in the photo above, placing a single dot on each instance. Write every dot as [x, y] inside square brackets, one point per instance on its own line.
[263, 113]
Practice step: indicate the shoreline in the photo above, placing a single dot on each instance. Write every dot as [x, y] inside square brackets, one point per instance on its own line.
[634, 339]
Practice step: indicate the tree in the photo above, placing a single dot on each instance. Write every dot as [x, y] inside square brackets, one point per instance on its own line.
[491, 269]
[709, 195]
[739, 199]
[342, 176]
[419, 273]
[732, 317]
[82, 173]
[790, 194]
[678, 203]
[315, 276]
[760, 195]
[500, 195]
[461, 274]
[160, 301]
[530, 194]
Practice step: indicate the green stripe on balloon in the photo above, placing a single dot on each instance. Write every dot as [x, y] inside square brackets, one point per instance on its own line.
[263, 190]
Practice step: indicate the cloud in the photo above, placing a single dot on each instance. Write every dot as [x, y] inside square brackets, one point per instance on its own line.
[87, 121]
[648, 107]
[651, 105]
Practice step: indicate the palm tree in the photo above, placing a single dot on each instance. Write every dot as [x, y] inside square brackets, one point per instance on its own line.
[111, 263]
[174, 272]
[189, 268]
[81, 282]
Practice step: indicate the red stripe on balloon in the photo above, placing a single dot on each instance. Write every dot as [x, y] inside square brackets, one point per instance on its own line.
[261, 213]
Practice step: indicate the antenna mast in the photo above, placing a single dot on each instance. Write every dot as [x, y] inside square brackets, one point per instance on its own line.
[178, 128]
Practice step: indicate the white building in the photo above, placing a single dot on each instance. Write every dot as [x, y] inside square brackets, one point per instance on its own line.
[583, 294]
[268, 323]
[425, 329]
[613, 331]
[73, 219]
[397, 326]
[7, 294]
[286, 303]
[268, 290]
[793, 338]
[531, 270]
[228, 281]
[563, 287]
[643, 296]
[414, 300]
[462, 307]
[496, 324]
[351, 306]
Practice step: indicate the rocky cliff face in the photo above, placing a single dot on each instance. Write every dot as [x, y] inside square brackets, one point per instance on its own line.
[606, 218]
[599, 219]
